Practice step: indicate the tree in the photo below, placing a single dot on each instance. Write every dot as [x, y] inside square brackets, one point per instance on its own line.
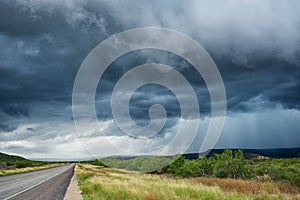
[177, 166]
[230, 164]
[238, 165]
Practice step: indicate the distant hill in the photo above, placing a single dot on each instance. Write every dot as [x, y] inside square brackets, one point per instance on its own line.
[11, 162]
[253, 153]
[10, 158]
[248, 154]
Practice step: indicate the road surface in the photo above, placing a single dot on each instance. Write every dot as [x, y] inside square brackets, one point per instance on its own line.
[43, 184]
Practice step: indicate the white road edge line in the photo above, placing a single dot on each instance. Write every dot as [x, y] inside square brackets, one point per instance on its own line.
[16, 194]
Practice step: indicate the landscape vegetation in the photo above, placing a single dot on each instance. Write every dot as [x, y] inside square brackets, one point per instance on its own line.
[222, 176]
[226, 175]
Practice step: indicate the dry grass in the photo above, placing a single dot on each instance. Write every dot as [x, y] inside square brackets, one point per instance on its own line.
[105, 183]
[5, 172]
[250, 187]
[151, 196]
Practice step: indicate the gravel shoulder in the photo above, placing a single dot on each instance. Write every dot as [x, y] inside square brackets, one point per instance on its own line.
[73, 191]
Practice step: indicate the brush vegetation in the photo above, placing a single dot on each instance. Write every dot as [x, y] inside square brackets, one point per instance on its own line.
[223, 176]
[98, 182]
[229, 164]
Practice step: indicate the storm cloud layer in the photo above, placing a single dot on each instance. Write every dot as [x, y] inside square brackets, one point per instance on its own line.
[255, 44]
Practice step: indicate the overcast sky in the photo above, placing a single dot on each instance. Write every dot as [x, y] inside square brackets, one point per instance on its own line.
[255, 45]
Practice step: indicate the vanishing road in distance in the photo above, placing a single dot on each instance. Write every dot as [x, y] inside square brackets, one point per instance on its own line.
[43, 184]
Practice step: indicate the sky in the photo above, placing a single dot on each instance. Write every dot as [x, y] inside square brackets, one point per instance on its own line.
[255, 45]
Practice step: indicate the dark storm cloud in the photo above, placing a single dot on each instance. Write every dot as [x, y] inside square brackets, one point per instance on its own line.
[7, 126]
[40, 54]
[269, 80]
[255, 44]
[257, 52]
[15, 22]
[51, 39]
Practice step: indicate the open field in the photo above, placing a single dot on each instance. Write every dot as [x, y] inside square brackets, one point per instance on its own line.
[98, 182]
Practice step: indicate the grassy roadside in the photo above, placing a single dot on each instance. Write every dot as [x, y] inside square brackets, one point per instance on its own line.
[97, 182]
[5, 172]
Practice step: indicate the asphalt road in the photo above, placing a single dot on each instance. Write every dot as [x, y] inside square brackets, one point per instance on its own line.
[43, 184]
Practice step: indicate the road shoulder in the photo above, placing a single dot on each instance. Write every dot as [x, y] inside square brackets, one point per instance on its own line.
[73, 192]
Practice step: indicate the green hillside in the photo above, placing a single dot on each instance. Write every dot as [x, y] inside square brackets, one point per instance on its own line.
[10, 158]
[12, 162]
